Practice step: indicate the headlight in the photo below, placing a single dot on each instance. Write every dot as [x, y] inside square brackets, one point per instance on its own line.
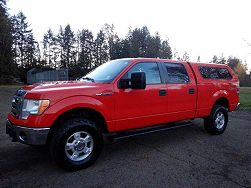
[35, 107]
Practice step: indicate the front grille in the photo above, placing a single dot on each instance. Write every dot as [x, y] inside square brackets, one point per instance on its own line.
[17, 103]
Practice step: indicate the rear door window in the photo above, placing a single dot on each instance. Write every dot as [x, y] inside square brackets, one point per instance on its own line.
[176, 73]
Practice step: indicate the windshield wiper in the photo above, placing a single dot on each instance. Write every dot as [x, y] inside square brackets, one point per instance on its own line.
[88, 78]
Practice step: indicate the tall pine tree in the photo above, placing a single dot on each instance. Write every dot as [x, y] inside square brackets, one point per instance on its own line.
[100, 49]
[26, 48]
[50, 50]
[66, 41]
[86, 49]
[113, 41]
[6, 55]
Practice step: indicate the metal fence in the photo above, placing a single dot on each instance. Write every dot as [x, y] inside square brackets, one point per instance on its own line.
[36, 75]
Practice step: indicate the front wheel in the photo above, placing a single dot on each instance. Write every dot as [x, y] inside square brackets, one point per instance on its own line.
[216, 123]
[77, 144]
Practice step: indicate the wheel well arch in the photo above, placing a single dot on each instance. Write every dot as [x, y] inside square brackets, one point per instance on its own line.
[88, 113]
[223, 102]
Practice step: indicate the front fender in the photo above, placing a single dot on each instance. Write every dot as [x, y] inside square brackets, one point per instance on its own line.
[53, 112]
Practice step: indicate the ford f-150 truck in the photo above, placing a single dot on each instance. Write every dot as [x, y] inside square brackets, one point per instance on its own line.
[121, 98]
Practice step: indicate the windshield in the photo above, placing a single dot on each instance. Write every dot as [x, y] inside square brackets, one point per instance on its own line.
[106, 72]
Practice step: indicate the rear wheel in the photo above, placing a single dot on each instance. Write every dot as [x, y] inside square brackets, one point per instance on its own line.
[77, 144]
[216, 123]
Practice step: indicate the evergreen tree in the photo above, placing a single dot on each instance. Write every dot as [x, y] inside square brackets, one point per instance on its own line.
[26, 48]
[140, 43]
[124, 48]
[100, 49]
[153, 46]
[6, 55]
[165, 50]
[66, 41]
[50, 49]
[86, 49]
[114, 43]
[60, 44]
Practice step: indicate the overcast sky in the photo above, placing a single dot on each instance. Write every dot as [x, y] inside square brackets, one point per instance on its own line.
[200, 27]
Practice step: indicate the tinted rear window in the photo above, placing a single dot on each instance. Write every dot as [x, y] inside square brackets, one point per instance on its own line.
[176, 73]
[214, 72]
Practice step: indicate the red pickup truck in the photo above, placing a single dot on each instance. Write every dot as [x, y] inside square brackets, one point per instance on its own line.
[119, 99]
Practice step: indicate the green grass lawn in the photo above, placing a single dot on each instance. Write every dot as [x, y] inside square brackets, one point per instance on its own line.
[245, 98]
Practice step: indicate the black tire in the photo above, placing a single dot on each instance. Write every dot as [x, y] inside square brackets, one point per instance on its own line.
[212, 125]
[66, 132]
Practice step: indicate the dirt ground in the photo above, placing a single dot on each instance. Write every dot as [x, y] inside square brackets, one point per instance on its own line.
[185, 157]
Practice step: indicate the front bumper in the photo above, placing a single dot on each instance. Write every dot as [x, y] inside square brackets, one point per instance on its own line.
[25, 135]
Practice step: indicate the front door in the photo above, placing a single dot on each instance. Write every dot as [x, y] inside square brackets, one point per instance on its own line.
[137, 108]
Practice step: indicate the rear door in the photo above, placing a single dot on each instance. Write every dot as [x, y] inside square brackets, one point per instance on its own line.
[141, 107]
[181, 91]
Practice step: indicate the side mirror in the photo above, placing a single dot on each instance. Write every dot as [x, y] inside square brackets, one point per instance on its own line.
[137, 81]
[124, 83]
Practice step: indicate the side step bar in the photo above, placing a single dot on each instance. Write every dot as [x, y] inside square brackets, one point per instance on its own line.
[142, 131]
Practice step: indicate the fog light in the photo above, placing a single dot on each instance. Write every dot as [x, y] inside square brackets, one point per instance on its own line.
[22, 136]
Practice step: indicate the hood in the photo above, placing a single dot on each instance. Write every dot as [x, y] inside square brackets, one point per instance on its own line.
[59, 85]
[56, 91]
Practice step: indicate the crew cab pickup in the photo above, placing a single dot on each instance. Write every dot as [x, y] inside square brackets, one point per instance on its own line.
[121, 98]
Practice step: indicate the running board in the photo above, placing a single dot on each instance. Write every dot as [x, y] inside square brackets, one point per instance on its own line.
[142, 131]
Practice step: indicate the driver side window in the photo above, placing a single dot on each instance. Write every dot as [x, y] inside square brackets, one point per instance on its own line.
[151, 70]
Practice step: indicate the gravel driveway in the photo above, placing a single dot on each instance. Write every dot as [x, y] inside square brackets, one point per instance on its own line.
[185, 157]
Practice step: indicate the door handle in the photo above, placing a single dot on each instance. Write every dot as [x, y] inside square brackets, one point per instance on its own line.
[191, 91]
[162, 92]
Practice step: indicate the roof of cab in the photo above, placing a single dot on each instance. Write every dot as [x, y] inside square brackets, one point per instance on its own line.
[171, 60]
[150, 59]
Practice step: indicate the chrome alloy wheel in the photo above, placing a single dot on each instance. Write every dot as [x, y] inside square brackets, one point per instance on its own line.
[220, 120]
[79, 146]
